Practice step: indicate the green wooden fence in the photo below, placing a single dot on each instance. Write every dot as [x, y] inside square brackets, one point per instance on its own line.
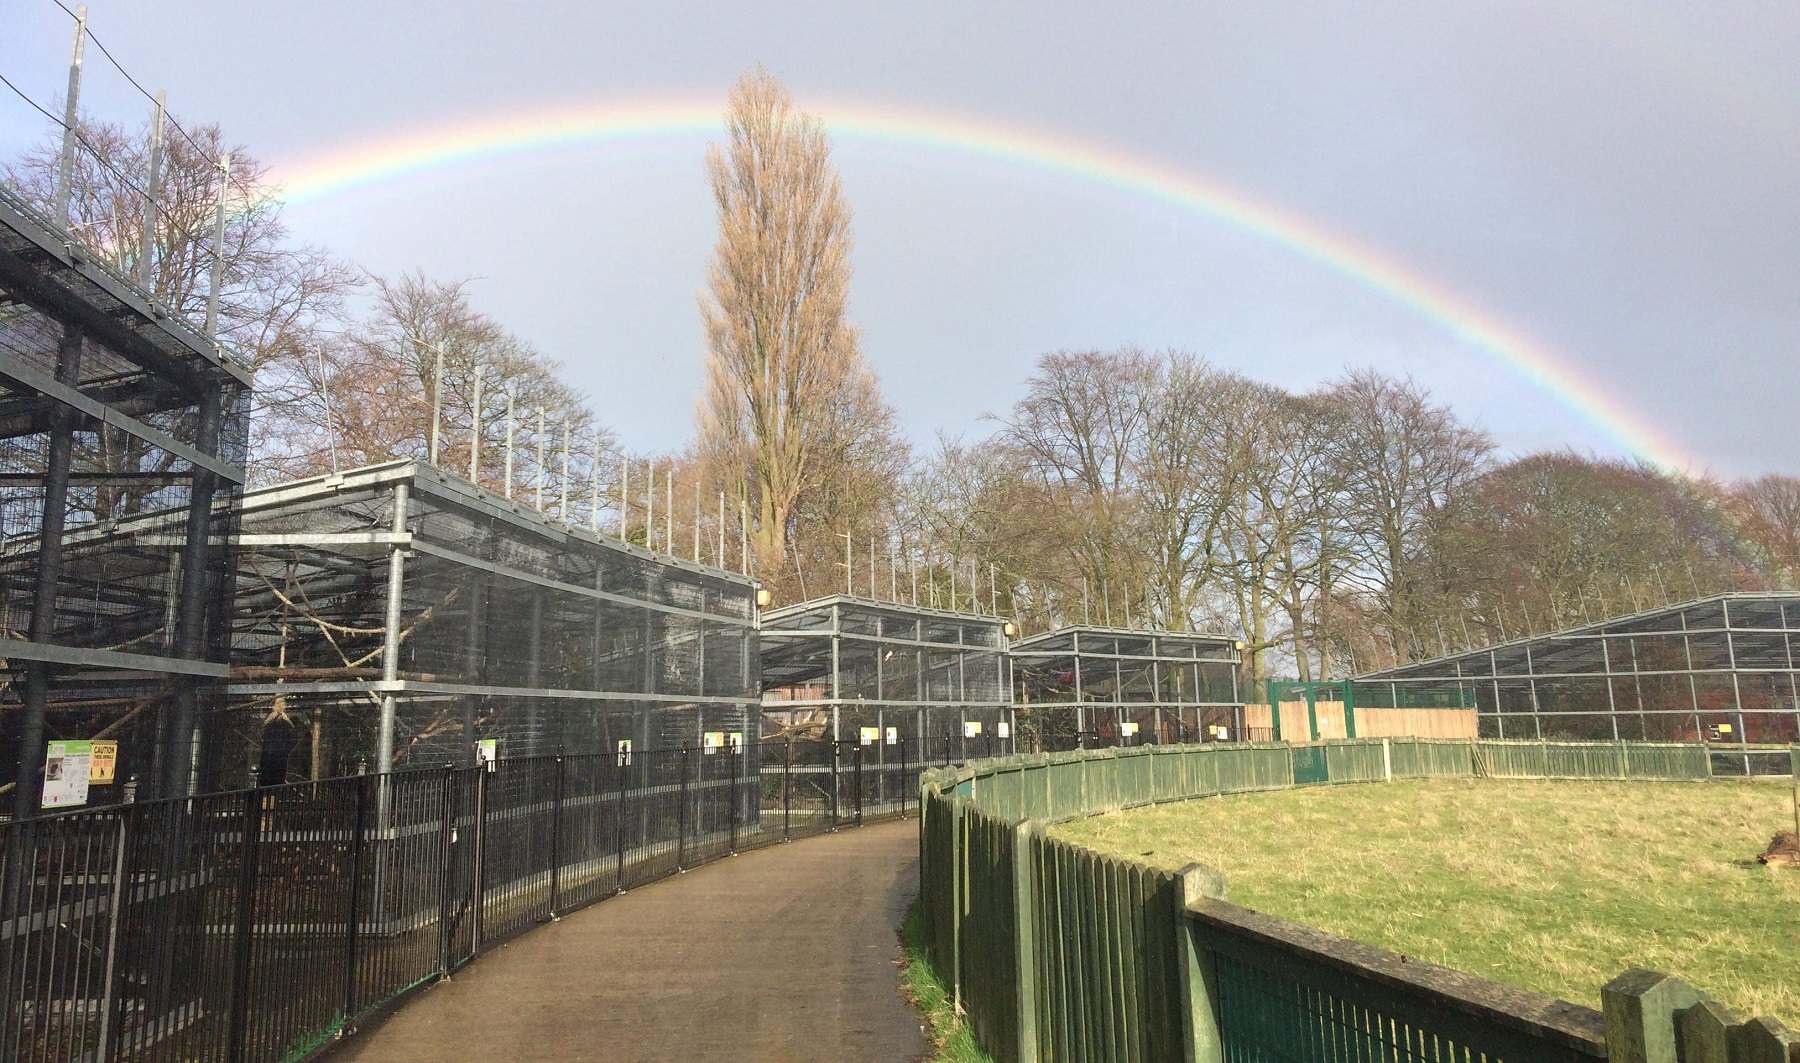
[1058, 953]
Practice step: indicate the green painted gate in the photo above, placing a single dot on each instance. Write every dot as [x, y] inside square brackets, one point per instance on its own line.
[1309, 765]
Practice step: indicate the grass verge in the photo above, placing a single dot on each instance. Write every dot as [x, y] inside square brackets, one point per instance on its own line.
[951, 1039]
[1553, 886]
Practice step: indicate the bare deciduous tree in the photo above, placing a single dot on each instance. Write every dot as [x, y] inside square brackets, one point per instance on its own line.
[1405, 455]
[278, 300]
[379, 379]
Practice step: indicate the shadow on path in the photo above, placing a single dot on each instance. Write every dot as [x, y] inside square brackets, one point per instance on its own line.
[783, 955]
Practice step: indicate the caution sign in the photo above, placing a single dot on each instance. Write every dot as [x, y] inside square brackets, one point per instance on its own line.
[971, 728]
[103, 761]
[868, 736]
[711, 741]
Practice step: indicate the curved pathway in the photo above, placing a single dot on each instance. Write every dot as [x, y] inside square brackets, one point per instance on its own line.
[784, 955]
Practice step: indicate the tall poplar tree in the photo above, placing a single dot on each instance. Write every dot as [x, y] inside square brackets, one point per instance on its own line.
[786, 387]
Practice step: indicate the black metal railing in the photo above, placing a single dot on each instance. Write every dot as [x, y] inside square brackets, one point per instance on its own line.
[263, 924]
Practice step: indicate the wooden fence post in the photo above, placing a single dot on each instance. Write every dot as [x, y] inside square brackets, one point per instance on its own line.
[1639, 1007]
[1025, 916]
[1199, 991]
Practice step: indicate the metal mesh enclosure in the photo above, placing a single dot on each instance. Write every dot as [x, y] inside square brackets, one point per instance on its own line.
[1720, 669]
[1083, 686]
[399, 615]
[122, 444]
[836, 666]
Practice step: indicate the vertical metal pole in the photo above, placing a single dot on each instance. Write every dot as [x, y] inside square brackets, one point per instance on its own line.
[624, 493]
[152, 187]
[28, 793]
[650, 507]
[623, 762]
[325, 401]
[871, 566]
[681, 814]
[737, 783]
[540, 460]
[478, 879]
[858, 781]
[849, 571]
[556, 816]
[719, 556]
[512, 397]
[562, 509]
[197, 554]
[390, 645]
[244, 927]
[352, 918]
[787, 791]
[437, 404]
[115, 905]
[744, 533]
[669, 513]
[447, 876]
[594, 486]
[475, 431]
[218, 247]
[696, 520]
[65, 174]
[993, 589]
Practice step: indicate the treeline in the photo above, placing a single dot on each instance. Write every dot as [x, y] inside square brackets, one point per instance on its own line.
[1351, 527]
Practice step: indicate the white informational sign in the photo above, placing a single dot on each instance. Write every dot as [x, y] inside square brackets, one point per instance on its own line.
[711, 742]
[868, 736]
[1003, 729]
[624, 752]
[1128, 728]
[66, 769]
[735, 739]
[487, 752]
[1221, 733]
[893, 736]
[971, 728]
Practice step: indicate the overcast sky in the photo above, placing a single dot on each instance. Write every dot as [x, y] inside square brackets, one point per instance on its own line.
[1614, 181]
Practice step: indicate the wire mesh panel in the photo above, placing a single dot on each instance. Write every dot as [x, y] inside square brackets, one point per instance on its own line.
[518, 842]
[1285, 1006]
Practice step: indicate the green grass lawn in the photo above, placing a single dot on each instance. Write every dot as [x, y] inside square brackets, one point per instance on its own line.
[1554, 886]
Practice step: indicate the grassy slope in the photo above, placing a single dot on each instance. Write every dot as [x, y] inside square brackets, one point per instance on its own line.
[951, 1039]
[1554, 886]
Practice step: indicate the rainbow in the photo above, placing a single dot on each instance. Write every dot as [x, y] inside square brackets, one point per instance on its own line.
[363, 167]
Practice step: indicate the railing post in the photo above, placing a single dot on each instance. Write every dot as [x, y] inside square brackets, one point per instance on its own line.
[787, 791]
[1198, 1002]
[447, 880]
[1025, 915]
[737, 786]
[352, 917]
[478, 877]
[103, 1053]
[622, 761]
[556, 809]
[834, 783]
[857, 781]
[681, 814]
[905, 778]
[244, 927]
[1639, 1007]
